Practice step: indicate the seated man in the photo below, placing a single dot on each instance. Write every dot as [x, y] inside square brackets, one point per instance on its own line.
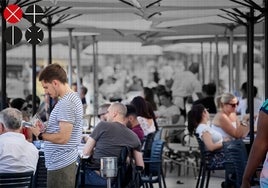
[208, 100]
[16, 153]
[133, 123]
[102, 111]
[107, 140]
[169, 110]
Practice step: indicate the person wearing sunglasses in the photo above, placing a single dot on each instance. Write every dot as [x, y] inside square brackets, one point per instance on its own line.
[226, 120]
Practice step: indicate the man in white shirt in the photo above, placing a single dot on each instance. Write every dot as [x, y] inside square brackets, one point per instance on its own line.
[16, 153]
[169, 110]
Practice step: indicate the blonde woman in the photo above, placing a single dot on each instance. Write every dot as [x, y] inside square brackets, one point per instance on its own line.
[226, 121]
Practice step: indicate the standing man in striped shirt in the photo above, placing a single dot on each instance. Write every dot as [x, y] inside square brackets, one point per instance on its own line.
[64, 128]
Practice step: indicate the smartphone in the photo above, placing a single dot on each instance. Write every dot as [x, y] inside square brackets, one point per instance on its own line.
[26, 124]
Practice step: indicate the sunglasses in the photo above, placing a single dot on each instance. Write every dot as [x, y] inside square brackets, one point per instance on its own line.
[233, 104]
[99, 115]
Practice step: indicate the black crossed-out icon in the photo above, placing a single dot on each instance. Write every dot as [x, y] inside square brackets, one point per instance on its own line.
[13, 35]
[34, 35]
[34, 14]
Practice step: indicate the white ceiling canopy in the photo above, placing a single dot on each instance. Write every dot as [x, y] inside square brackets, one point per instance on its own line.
[145, 21]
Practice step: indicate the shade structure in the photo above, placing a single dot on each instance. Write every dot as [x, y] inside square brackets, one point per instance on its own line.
[124, 48]
[120, 20]
[60, 51]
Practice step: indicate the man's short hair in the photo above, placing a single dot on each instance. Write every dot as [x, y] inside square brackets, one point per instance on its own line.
[211, 89]
[19, 103]
[11, 118]
[103, 108]
[53, 72]
[131, 110]
[84, 90]
[120, 108]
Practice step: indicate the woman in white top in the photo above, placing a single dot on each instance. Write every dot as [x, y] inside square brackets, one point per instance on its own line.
[226, 121]
[198, 118]
[145, 118]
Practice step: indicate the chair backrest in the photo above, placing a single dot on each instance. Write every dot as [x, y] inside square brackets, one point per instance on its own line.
[158, 134]
[202, 149]
[40, 177]
[208, 156]
[156, 157]
[9, 180]
[147, 145]
[236, 158]
[128, 175]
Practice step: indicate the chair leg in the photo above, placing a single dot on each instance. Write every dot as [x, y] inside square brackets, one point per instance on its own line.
[203, 177]
[208, 177]
[159, 181]
[194, 169]
[199, 175]
[163, 178]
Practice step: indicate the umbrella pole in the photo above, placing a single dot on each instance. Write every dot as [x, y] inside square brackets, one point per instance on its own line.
[4, 59]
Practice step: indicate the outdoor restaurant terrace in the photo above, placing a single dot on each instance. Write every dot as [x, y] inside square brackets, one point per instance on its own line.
[95, 39]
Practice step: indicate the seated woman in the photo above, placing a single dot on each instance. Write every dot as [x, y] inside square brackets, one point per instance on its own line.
[145, 118]
[198, 118]
[226, 121]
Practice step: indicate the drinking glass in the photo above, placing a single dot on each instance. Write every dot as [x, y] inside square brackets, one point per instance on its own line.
[85, 125]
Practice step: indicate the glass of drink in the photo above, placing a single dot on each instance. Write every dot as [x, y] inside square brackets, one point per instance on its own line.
[85, 125]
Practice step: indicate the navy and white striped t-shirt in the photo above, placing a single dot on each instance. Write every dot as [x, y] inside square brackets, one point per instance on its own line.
[68, 109]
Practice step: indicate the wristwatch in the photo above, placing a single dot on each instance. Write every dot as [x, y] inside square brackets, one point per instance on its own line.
[40, 136]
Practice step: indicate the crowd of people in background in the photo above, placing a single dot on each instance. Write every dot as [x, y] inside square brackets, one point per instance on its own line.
[128, 102]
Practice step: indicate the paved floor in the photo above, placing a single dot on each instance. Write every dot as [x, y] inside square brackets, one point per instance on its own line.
[189, 181]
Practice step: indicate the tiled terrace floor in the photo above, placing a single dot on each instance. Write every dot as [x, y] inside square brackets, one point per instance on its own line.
[189, 181]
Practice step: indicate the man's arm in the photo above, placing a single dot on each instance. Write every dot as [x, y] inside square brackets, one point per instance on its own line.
[88, 149]
[61, 137]
[138, 158]
[258, 149]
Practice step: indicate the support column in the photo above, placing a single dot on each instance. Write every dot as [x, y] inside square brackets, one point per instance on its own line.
[216, 65]
[95, 75]
[4, 60]
[231, 60]
[78, 69]
[250, 71]
[266, 47]
[70, 66]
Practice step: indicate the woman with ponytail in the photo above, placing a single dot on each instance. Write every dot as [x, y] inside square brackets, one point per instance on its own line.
[226, 120]
[198, 118]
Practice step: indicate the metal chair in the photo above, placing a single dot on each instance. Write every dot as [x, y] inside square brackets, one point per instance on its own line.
[158, 134]
[147, 145]
[9, 180]
[154, 173]
[40, 177]
[127, 173]
[205, 164]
